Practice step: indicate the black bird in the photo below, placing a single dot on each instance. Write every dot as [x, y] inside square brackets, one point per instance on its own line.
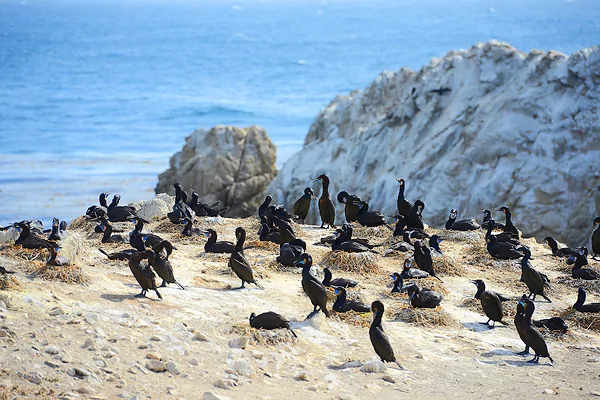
[343, 305]
[414, 220]
[55, 234]
[238, 263]
[30, 240]
[302, 205]
[400, 221]
[212, 246]
[423, 298]
[509, 227]
[578, 272]
[265, 204]
[552, 324]
[490, 302]
[596, 238]
[502, 250]
[286, 232]
[403, 205]
[441, 90]
[346, 233]
[558, 252]
[581, 307]
[369, 218]
[266, 235]
[279, 212]
[342, 243]
[289, 252]
[313, 288]
[181, 210]
[403, 245]
[117, 213]
[520, 321]
[399, 286]
[270, 320]
[424, 260]
[204, 210]
[379, 340]
[139, 240]
[162, 265]
[98, 211]
[107, 229]
[412, 273]
[531, 335]
[462, 225]
[500, 237]
[188, 228]
[434, 243]
[143, 273]
[536, 281]
[487, 216]
[340, 282]
[326, 209]
[57, 260]
[351, 205]
[123, 255]
[3, 271]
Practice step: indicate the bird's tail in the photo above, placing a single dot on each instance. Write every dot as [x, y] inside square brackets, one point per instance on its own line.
[258, 285]
[551, 360]
[324, 309]
[293, 333]
[436, 277]
[158, 294]
[180, 285]
[400, 366]
[102, 251]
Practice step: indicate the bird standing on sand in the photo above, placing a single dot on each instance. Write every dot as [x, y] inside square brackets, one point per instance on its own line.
[238, 263]
[490, 302]
[326, 208]
[302, 205]
[531, 336]
[313, 288]
[143, 274]
[379, 340]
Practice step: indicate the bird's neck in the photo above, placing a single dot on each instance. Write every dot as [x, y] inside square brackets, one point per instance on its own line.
[376, 319]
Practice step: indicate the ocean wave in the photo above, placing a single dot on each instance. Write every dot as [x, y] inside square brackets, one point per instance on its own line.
[213, 111]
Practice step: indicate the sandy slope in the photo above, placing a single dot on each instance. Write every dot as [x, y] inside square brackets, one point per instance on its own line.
[106, 334]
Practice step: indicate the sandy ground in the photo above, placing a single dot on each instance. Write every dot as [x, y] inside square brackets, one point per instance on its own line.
[96, 341]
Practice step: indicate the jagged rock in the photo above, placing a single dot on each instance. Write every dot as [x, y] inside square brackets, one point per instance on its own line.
[156, 208]
[229, 164]
[516, 129]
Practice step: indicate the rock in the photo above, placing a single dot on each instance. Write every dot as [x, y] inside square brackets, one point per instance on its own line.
[596, 394]
[51, 364]
[388, 378]
[78, 372]
[221, 384]
[143, 346]
[239, 343]
[84, 390]
[56, 311]
[156, 338]
[301, 376]
[194, 361]
[89, 344]
[156, 208]
[8, 236]
[548, 391]
[172, 368]
[257, 354]
[374, 365]
[239, 162]
[34, 377]
[242, 367]
[51, 350]
[153, 356]
[486, 145]
[156, 366]
[212, 396]
[201, 337]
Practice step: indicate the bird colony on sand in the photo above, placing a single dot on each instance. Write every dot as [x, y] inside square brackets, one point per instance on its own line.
[149, 256]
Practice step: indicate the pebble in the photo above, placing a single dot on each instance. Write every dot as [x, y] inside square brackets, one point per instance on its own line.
[156, 366]
[548, 391]
[258, 354]
[242, 367]
[51, 364]
[153, 356]
[239, 343]
[194, 361]
[373, 366]
[172, 368]
[301, 376]
[34, 377]
[66, 359]
[221, 384]
[212, 396]
[78, 372]
[51, 350]
[389, 379]
[56, 311]
[143, 346]
[84, 390]
[201, 337]
[89, 344]
[156, 338]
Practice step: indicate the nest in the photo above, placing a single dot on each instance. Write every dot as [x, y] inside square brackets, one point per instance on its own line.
[558, 336]
[66, 274]
[17, 251]
[589, 321]
[358, 263]
[430, 283]
[261, 337]
[447, 265]
[379, 232]
[82, 224]
[592, 286]
[477, 254]
[353, 318]
[165, 225]
[260, 245]
[427, 317]
[509, 309]
[9, 282]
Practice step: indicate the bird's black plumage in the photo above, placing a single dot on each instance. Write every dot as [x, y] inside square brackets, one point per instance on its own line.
[342, 304]
[340, 282]
[490, 302]
[424, 298]
[238, 263]
[143, 273]
[212, 246]
[531, 336]
[536, 281]
[326, 208]
[379, 340]
[270, 320]
[313, 288]
[462, 225]
[580, 303]
[302, 205]
[403, 205]
[162, 265]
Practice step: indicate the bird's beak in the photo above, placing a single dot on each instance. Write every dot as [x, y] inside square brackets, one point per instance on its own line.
[410, 298]
[207, 234]
[19, 229]
[473, 282]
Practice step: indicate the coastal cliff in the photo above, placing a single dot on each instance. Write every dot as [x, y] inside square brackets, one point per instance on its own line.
[517, 129]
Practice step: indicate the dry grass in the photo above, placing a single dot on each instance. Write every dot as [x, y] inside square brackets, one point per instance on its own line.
[260, 245]
[9, 282]
[164, 225]
[447, 265]
[68, 274]
[358, 263]
[574, 318]
[557, 336]
[353, 318]
[430, 283]
[379, 232]
[427, 317]
[262, 337]
[477, 254]
[16, 251]
[592, 286]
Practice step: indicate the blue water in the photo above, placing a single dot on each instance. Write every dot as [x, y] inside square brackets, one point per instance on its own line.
[97, 96]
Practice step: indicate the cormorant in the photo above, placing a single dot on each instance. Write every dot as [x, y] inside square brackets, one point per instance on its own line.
[342, 243]
[531, 335]
[180, 209]
[289, 252]
[403, 205]
[596, 238]
[462, 225]
[212, 246]
[412, 273]
[123, 255]
[117, 213]
[536, 281]
[423, 298]
[562, 252]
[238, 263]
[500, 237]
[55, 259]
[30, 240]
[351, 205]
[98, 211]
[313, 288]
[369, 218]
[340, 282]
[55, 234]
[502, 250]
[270, 320]
[519, 321]
[434, 243]
[266, 235]
[509, 227]
[286, 232]
[379, 340]
[107, 229]
[265, 204]
[326, 209]
[578, 272]
[139, 240]
[490, 302]
[414, 220]
[581, 307]
[143, 274]
[399, 286]
[400, 221]
[423, 259]
[552, 324]
[162, 265]
[343, 305]
[188, 228]
[302, 205]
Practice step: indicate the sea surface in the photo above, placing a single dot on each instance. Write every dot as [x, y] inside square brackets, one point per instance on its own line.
[97, 95]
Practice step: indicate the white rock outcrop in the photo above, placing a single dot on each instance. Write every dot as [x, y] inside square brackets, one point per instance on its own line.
[226, 163]
[517, 129]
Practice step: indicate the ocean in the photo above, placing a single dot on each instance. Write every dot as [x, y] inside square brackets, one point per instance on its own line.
[97, 95]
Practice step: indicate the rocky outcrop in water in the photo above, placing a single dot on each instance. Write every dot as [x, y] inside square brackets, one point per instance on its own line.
[517, 129]
[226, 163]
